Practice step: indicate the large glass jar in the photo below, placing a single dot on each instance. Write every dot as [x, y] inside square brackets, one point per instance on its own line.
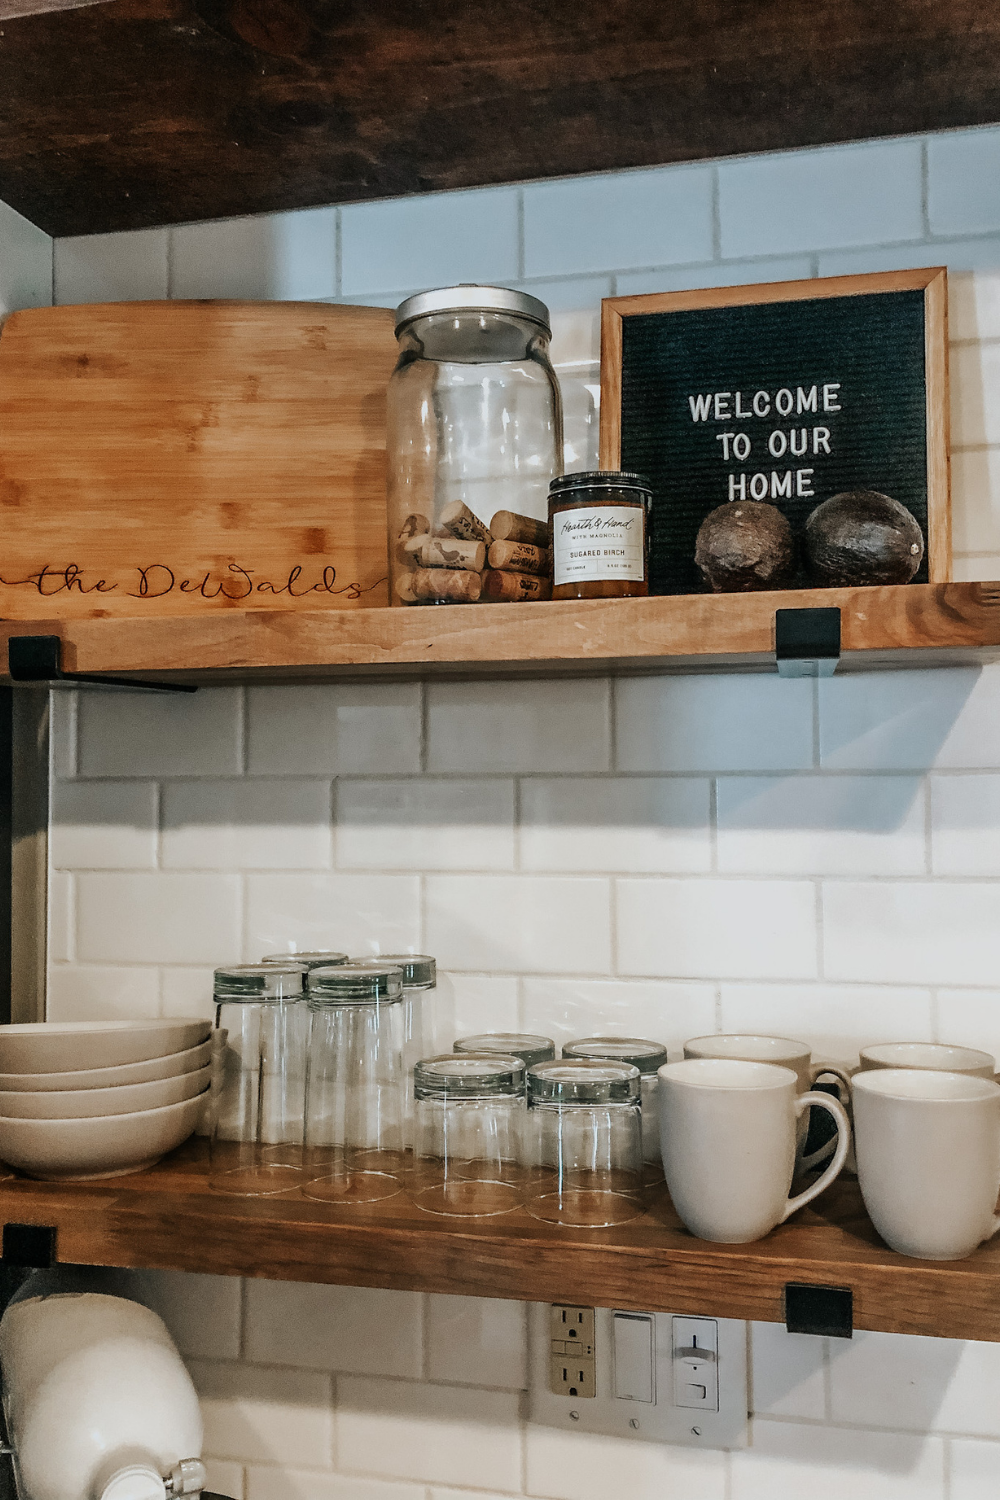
[474, 439]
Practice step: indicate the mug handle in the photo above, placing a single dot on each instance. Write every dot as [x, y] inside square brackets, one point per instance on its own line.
[819, 1070]
[835, 1108]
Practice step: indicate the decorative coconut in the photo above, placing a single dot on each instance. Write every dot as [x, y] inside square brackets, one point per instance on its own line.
[862, 537]
[745, 545]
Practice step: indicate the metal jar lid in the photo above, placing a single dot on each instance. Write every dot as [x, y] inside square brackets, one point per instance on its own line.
[469, 1075]
[419, 969]
[583, 1080]
[316, 959]
[530, 1049]
[354, 984]
[600, 479]
[644, 1055]
[247, 983]
[470, 297]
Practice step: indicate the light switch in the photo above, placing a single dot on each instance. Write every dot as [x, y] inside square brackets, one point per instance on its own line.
[633, 1354]
[696, 1363]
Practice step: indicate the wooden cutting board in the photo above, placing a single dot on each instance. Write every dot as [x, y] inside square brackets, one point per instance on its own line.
[162, 458]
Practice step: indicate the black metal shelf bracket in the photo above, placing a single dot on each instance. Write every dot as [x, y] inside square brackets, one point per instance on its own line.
[807, 642]
[38, 658]
[826, 1311]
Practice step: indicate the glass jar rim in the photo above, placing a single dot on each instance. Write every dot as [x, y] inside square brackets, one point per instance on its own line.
[529, 1048]
[419, 970]
[316, 958]
[258, 983]
[642, 1054]
[354, 984]
[472, 297]
[599, 479]
[469, 1075]
[583, 1080]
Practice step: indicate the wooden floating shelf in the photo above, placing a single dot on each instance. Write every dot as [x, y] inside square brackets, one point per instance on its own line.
[169, 1218]
[945, 624]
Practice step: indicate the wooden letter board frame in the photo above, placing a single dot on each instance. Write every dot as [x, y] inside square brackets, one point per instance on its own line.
[932, 281]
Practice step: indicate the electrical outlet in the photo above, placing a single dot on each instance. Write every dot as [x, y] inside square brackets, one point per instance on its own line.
[645, 1375]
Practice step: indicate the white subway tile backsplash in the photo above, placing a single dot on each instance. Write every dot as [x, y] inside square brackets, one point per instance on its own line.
[582, 1466]
[103, 825]
[357, 914]
[788, 1459]
[963, 181]
[98, 992]
[912, 933]
[964, 257]
[901, 721]
[725, 723]
[425, 825]
[25, 263]
[975, 569]
[719, 273]
[788, 1378]
[439, 1433]
[975, 499]
[568, 296]
[620, 220]
[187, 991]
[297, 1484]
[363, 729]
[62, 904]
[433, 240]
[272, 257]
[969, 1018]
[467, 1004]
[972, 1470]
[821, 825]
[566, 1009]
[548, 924]
[835, 1020]
[651, 825]
[965, 825]
[158, 918]
[233, 825]
[917, 1384]
[477, 1341]
[353, 1329]
[128, 267]
[717, 929]
[265, 1415]
[974, 382]
[974, 303]
[226, 1479]
[518, 726]
[833, 198]
[62, 732]
[160, 734]
[202, 1312]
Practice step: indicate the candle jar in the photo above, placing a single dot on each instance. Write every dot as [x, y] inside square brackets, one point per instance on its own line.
[474, 436]
[600, 535]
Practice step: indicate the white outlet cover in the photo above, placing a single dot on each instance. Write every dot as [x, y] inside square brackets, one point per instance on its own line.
[657, 1421]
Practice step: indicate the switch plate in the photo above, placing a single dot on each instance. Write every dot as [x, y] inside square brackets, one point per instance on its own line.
[655, 1362]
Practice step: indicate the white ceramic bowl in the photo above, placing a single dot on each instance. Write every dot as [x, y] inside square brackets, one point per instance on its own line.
[172, 1066]
[83, 1104]
[106, 1146]
[66, 1046]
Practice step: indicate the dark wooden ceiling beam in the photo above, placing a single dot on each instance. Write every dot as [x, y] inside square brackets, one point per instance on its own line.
[139, 112]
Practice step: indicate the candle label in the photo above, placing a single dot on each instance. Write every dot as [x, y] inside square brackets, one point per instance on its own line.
[599, 541]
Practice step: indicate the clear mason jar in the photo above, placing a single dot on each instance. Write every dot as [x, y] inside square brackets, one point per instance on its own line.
[354, 1136]
[467, 1136]
[530, 1049]
[419, 973]
[474, 439]
[256, 1146]
[583, 1147]
[648, 1057]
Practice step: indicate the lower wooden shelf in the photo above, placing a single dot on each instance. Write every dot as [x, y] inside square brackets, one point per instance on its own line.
[169, 1218]
[941, 624]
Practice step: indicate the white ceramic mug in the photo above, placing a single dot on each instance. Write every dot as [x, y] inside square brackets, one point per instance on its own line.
[928, 1149]
[728, 1130]
[785, 1053]
[939, 1057]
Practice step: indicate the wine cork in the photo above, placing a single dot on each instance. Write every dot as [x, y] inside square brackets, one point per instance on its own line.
[413, 526]
[508, 526]
[458, 520]
[520, 557]
[403, 588]
[503, 586]
[444, 583]
[449, 552]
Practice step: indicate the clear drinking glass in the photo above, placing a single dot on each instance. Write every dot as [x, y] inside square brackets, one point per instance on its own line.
[648, 1057]
[467, 1138]
[474, 433]
[530, 1049]
[256, 1146]
[419, 973]
[584, 1142]
[354, 1136]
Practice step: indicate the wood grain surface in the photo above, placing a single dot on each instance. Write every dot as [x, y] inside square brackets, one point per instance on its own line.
[170, 1218]
[143, 112]
[913, 625]
[193, 458]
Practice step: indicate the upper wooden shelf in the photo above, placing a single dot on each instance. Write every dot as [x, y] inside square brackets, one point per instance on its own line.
[169, 1218]
[944, 624]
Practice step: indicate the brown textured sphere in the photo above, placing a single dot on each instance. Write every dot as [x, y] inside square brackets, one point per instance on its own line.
[862, 537]
[745, 545]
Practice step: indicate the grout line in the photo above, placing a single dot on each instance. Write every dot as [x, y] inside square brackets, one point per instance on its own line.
[925, 188]
[424, 728]
[927, 790]
[816, 726]
[242, 730]
[713, 825]
[170, 264]
[520, 234]
[338, 252]
[244, 1318]
[827, 1381]
[820, 932]
[612, 724]
[157, 826]
[334, 807]
[716, 211]
[613, 926]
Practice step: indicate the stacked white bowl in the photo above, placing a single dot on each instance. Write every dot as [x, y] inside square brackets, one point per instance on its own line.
[89, 1099]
